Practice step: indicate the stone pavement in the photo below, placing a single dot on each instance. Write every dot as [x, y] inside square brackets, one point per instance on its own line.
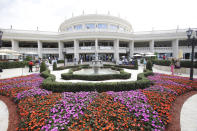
[188, 118]
[3, 116]
[9, 73]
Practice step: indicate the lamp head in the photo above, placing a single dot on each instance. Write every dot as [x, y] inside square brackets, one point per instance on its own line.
[189, 33]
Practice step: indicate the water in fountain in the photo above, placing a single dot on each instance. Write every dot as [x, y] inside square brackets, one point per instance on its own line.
[96, 70]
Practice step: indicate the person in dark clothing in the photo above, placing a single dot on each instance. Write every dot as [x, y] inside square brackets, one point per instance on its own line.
[30, 66]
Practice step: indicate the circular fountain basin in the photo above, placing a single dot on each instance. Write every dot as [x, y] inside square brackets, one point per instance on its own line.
[101, 71]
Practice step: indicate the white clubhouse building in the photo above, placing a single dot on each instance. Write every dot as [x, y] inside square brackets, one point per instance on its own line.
[111, 37]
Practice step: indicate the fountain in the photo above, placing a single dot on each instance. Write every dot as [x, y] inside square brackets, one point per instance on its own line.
[96, 64]
[96, 68]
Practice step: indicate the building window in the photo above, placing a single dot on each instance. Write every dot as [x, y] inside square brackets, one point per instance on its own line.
[69, 28]
[78, 27]
[114, 27]
[183, 43]
[68, 44]
[121, 28]
[90, 26]
[123, 44]
[141, 44]
[102, 26]
[163, 44]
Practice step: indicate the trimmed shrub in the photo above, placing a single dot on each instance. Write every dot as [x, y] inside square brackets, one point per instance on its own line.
[71, 76]
[136, 64]
[141, 83]
[186, 64]
[54, 65]
[120, 66]
[162, 62]
[13, 64]
[43, 67]
[60, 61]
[149, 65]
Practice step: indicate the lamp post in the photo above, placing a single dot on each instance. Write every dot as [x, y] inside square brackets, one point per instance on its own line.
[1, 34]
[192, 42]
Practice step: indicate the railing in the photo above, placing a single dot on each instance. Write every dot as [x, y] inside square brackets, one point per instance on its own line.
[106, 47]
[141, 49]
[50, 50]
[28, 50]
[6, 48]
[87, 48]
[68, 50]
[163, 49]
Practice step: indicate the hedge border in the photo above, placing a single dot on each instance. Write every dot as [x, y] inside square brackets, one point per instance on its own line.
[50, 84]
[12, 64]
[71, 76]
[186, 64]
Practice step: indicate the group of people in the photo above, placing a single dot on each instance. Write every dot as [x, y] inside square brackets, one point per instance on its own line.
[175, 66]
[37, 65]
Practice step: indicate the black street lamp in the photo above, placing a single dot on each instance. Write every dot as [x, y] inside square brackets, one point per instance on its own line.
[1, 34]
[191, 41]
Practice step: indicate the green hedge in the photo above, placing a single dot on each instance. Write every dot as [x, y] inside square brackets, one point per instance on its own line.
[141, 83]
[68, 67]
[162, 62]
[71, 76]
[60, 61]
[120, 66]
[186, 64]
[12, 64]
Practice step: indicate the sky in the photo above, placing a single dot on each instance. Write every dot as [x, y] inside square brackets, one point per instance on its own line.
[144, 15]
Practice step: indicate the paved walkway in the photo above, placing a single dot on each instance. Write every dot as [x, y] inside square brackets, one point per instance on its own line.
[188, 118]
[9, 73]
[134, 74]
[4, 115]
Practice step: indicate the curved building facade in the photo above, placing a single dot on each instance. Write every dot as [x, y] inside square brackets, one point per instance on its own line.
[110, 37]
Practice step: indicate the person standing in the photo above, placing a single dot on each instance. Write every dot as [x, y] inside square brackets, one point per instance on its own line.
[177, 66]
[172, 66]
[145, 64]
[30, 66]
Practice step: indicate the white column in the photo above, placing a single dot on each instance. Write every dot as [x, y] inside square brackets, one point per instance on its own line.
[151, 45]
[15, 45]
[39, 49]
[76, 50]
[96, 49]
[116, 50]
[60, 48]
[131, 48]
[175, 48]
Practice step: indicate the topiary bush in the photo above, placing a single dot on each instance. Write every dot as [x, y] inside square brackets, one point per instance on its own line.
[136, 64]
[149, 65]
[54, 66]
[43, 67]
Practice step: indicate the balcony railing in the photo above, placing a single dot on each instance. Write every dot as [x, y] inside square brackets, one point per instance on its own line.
[50, 50]
[25, 50]
[163, 49]
[106, 47]
[87, 48]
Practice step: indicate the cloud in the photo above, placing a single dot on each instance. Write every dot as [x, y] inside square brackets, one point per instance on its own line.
[142, 14]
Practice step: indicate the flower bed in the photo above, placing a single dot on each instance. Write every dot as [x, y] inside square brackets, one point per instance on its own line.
[142, 109]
